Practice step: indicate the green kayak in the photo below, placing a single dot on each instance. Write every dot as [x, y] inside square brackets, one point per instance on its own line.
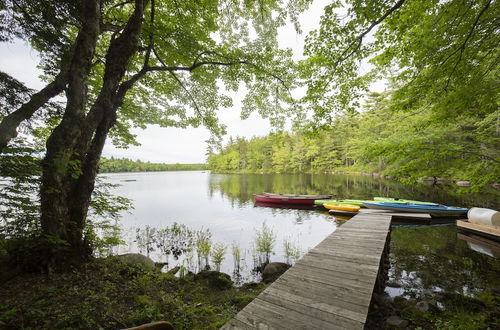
[356, 202]
[399, 200]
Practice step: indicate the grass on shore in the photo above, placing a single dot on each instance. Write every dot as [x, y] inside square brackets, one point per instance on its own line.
[111, 294]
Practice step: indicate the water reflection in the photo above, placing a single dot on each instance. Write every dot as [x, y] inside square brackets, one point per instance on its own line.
[426, 260]
[481, 244]
[198, 201]
[423, 259]
[240, 187]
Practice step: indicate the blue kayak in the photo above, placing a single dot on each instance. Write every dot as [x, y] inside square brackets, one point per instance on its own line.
[416, 208]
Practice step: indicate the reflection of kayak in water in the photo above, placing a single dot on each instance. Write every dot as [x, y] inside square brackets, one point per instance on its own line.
[283, 200]
[341, 217]
[342, 213]
[481, 244]
[284, 206]
[341, 207]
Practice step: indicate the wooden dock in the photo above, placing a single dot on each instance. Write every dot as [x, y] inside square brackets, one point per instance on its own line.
[330, 287]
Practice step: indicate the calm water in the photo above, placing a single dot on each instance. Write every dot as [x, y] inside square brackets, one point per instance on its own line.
[223, 204]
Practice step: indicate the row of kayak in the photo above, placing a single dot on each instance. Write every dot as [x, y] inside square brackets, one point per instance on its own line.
[353, 205]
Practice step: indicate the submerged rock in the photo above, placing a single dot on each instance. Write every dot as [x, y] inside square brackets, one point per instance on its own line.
[137, 259]
[273, 270]
[396, 321]
[214, 279]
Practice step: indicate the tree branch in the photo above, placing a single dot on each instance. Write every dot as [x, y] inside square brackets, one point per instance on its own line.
[462, 47]
[10, 123]
[356, 43]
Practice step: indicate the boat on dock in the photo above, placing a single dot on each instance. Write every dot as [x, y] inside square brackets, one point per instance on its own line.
[440, 210]
[356, 202]
[342, 207]
[314, 197]
[283, 200]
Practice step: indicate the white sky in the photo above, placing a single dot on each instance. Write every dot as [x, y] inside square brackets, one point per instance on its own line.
[170, 145]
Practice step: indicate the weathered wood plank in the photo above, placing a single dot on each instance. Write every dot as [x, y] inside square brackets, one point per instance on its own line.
[334, 295]
[328, 276]
[325, 312]
[330, 287]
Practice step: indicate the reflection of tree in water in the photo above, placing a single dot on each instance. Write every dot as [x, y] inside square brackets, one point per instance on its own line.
[431, 259]
[239, 188]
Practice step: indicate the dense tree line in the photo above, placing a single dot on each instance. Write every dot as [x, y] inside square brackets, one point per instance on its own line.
[377, 140]
[113, 165]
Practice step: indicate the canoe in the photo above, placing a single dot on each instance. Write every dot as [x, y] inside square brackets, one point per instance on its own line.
[297, 196]
[283, 200]
[356, 202]
[417, 208]
[342, 207]
[399, 200]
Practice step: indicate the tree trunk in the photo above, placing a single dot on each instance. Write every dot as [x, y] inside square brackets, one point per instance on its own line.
[75, 146]
[59, 165]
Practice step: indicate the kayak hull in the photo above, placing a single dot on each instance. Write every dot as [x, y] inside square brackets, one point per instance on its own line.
[356, 202]
[400, 201]
[342, 207]
[416, 208]
[313, 197]
[283, 200]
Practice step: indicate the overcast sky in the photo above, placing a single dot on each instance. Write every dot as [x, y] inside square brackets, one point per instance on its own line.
[170, 145]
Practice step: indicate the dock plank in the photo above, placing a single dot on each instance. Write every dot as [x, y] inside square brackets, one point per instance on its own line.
[328, 288]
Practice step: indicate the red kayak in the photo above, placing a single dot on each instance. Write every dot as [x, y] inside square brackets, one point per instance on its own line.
[297, 196]
[283, 200]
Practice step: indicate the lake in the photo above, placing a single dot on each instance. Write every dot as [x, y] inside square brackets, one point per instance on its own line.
[423, 259]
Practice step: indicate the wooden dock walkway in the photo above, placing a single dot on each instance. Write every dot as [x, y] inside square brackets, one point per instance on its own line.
[330, 287]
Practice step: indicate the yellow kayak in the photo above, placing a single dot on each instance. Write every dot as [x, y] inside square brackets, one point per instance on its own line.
[341, 207]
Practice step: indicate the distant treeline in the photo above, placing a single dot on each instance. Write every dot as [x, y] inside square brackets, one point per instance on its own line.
[379, 139]
[112, 165]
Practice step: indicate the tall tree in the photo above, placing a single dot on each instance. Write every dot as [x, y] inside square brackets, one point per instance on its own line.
[133, 63]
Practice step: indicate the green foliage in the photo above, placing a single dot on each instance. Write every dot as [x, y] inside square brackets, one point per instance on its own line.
[20, 227]
[292, 250]
[109, 294]
[176, 240]
[236, 252]
[146, 238]
[265, 238]
[379, 140]
[112, 165]
[203, 247]
[218, 253]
